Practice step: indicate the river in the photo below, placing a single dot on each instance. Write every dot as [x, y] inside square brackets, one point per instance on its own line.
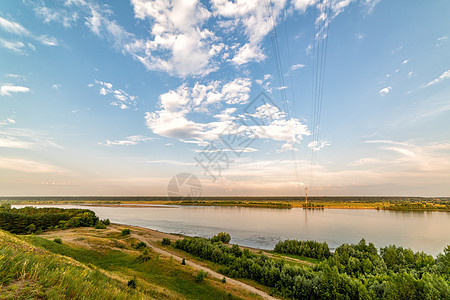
[264, 227]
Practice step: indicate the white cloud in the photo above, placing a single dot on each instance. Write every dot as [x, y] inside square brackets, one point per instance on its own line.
[445, 75]
[14, 46]
[129, 141]
[441, 40]
[265, 83]
[385, 91]
[28, 166]
[56, 87]
[370, 4]
[47, 40]
[297, 66]
[6, 90]
[177, 30]
[257, 20]
[16, 76]
[410, 74]
[13, 27]
[8, 121]
[17, 29]
[360, 36]
[248, 53]
[173, 120]
[121, 98]
[302, 5]
[405, 62]
[318, 145]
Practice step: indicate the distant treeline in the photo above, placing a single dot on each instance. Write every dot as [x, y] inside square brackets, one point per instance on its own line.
[417, 206]
[352, 272]
[231, 198]
[237, 203]
[31, 219]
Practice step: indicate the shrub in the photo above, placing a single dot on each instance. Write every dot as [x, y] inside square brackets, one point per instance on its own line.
[57, 240]
[140, 245]
[106, 222]
[166, 241]
[183, 262]
[125, 231]
[224, 280]
[31, 228]
[100, 225]
[132, 283]
[222, 237]
[200, 276]
[144, 256]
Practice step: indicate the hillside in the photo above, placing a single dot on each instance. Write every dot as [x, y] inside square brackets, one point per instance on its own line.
[98, 264]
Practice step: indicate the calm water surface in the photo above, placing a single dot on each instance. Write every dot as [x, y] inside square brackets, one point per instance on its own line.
[264, 227]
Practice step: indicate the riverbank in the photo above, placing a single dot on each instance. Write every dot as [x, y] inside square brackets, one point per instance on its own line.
[380, 203]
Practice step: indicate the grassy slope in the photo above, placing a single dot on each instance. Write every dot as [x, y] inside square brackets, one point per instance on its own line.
[28, 272]
[34, 267]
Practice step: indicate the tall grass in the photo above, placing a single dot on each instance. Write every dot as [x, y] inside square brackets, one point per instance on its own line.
[52, 275]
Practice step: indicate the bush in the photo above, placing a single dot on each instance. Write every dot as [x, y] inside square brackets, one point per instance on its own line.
[183, 262]
[140, 245]
[106, 222]
[132, 283]
[200, 276]
[166, 241]
[224, 280]
[57, 240]
[221, 237]
[144, 256]
[125, 231]
[31, 228]
[100, 225]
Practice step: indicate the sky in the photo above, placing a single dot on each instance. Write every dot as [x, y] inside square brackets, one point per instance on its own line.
[251, 97]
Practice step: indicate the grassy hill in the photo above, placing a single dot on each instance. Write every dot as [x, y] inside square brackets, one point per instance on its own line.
[96, 266]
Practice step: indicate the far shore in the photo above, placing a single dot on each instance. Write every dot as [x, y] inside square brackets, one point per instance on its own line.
[259, 204]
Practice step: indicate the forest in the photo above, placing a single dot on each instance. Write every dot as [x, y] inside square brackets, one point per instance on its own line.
[34, 220]
[356, 271]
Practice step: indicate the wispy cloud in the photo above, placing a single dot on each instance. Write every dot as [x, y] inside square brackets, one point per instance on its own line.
[444, 76]
[129, 141]
[297, 66]
[318, 145]
[18, 29]
[12, 137]
[13, 46]
[121, 98]
[13, 27]
[28, 166]
[441, 40]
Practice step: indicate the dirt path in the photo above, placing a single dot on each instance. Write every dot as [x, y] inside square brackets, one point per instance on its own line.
[199, 267]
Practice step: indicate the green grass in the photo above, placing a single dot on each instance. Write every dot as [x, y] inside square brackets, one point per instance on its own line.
[29, 272]
[164, 273]
[32, 267]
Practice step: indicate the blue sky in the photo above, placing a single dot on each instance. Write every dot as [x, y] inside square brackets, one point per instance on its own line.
[101, 98]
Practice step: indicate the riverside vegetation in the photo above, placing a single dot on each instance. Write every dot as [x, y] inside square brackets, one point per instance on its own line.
[351, 272]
